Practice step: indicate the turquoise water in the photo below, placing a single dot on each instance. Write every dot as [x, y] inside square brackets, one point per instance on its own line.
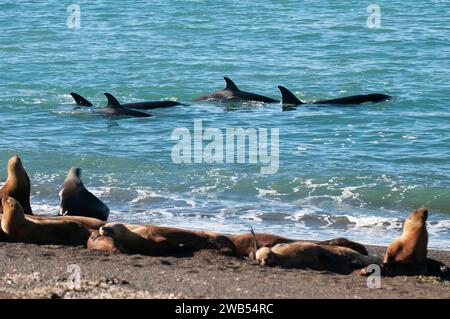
[344, 171]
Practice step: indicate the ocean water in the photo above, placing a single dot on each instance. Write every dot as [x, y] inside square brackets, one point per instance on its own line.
[343, 171]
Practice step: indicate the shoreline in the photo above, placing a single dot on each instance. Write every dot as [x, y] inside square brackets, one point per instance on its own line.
[31, 271]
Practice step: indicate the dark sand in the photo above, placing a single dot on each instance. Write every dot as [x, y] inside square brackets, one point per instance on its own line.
[30, 271]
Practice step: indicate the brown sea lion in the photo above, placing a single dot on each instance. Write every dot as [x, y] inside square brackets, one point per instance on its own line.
[17, 184]
[104, 243]
[19, 229]
[90, 223]
[344, 242]
[300, 254]
[155, 240]
[412, 246]
[407, 255]
[245, 243]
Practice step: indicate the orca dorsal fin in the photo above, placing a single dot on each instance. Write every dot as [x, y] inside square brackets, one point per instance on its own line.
[112, 101]
[81, 101]
[288, 97]
[230, 85]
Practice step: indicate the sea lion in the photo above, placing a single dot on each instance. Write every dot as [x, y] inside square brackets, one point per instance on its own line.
[407, 255]
[344, 242]
[88, 222]
[104, 243]
[156, 241]
[19, 229]
[233, 93]
[290, 100]
[245, 243]
[412, 246]
[146, 105]
[337, 259]
[17, 184]
[76, 200]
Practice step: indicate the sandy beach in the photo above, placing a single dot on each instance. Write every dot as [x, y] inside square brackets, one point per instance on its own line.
[30, 271]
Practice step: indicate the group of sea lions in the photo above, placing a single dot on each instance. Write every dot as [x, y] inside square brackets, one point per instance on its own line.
[230, 93]
[82, 221]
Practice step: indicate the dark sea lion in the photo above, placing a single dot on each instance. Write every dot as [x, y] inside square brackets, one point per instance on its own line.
[233, 93]
[18, 229]
[303, 255]
[157, 241]
[17, 184]
[146, 105]
[76, 200]
[290, 100]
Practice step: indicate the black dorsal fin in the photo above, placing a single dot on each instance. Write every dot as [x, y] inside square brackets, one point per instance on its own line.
[288, 97]
[81, 101]
[230, 85]
[112, 101]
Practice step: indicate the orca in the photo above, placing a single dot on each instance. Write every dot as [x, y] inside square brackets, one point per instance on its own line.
[146, 105]
[289, 99]
[233, 93]
[114, 108]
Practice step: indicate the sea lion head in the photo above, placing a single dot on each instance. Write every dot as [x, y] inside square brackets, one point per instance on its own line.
[15, 165]
[75, 172]
[265, 257]
[420, 214]
[12, 209]
[114, 230]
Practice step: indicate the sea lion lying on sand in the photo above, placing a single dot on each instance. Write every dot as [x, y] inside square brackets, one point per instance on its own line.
[90, 223]
[157, 241]
[337, 259]
[19, 229]
[251, 242]
[17, 184]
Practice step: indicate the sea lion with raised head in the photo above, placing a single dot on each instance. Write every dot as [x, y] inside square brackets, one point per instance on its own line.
[18, 229]
[337, 259]
[155, 240]
[76, 200]
[233, 93]
[407, 255]
[17, 184]
[412, 245]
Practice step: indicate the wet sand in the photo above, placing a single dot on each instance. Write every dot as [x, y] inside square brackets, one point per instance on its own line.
[30, 271]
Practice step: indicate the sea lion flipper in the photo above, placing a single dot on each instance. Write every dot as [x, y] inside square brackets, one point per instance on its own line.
[288, 97]
[79, 100]
[230, 85]
[112, 101]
